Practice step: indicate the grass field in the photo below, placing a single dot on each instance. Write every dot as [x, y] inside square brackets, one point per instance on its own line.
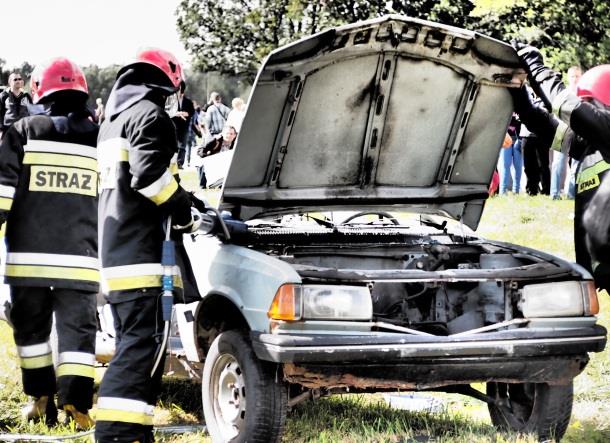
[536, 222]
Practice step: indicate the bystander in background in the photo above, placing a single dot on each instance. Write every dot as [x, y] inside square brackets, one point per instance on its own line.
[14, 102]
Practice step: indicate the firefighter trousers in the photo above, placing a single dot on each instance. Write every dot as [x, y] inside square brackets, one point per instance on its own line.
[75, 321]
[128, 393]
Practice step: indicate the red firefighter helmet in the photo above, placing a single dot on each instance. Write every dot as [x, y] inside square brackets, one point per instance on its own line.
[58, 74]
[165, 61]
[595, 83]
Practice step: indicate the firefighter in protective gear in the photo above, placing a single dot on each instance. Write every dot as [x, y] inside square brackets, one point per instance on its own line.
[139, 189]
[584, 126]
[48, 198]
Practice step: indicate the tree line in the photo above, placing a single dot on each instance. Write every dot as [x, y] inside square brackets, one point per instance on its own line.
[234, 36]
[228, 39]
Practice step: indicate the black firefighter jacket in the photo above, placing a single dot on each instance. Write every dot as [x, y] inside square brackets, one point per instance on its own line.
[48, 195]
[588, 141]
[138, 189]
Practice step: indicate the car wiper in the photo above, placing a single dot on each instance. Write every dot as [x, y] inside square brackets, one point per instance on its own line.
[440, 226]
[321, 222]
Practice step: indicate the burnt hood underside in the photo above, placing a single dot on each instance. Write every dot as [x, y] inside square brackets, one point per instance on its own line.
[392, 113]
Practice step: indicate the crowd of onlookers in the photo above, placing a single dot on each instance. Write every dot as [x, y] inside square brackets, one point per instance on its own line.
[201, 130]
[207, 129]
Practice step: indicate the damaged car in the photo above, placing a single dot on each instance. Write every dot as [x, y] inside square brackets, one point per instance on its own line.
[345, 259]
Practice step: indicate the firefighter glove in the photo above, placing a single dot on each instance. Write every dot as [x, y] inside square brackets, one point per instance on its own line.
[546, 83]
[199, 203]
[192, 226]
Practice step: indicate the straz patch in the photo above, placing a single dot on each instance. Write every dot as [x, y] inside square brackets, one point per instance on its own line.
[589, 183]
[63, 179]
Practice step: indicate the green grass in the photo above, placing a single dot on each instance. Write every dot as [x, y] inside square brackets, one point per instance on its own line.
[535, 222]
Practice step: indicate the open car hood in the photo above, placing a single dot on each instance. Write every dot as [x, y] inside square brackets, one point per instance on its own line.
[391, 113]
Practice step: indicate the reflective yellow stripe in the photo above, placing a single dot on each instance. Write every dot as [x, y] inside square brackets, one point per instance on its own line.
[123, 416]
[560, 134]
[63, 180]
[75, 369]
[173, 168]
[38, 158]
[165, 193]
[590, 172]
[143, 281]
[52, 272]
[41, 361]
[6, 203]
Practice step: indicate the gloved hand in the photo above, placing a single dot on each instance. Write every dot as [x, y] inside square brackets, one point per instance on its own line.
[192, 226]
[546, 83]
[198, 203]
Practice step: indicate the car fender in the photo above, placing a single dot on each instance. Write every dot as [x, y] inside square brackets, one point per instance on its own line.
[248, 278]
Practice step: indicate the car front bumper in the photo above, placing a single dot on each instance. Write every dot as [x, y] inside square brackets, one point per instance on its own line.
[418, 362]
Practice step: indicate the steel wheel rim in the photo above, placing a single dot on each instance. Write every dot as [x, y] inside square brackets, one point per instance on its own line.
[229, 390]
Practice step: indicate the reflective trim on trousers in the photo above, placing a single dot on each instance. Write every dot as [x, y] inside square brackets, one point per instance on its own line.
[124, 410]
[82, 358]
[35, 356]
[66, 369]
[34, 350]
[76, 363]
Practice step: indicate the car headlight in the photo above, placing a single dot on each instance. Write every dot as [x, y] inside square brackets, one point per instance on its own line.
[559, 299]
[321, 302]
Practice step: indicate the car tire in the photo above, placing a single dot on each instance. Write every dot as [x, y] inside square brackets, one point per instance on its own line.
[244, 399]
[537, 408]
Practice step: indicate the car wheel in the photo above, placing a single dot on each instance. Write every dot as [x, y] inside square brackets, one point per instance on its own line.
[244, 399]
[531, 407]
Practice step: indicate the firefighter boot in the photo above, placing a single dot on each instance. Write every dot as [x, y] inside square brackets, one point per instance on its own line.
[82, 420]
[41, 409]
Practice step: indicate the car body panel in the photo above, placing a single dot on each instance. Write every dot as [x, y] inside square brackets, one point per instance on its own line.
[249, 279]
[390, 112]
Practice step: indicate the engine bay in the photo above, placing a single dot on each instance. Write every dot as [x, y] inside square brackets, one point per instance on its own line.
[437, 283]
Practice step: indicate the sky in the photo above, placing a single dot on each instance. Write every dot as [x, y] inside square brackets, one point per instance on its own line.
[101, 32]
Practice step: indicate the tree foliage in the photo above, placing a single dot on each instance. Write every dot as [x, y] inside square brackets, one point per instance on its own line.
[233, 36]
[100, 81]
[568, 32]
